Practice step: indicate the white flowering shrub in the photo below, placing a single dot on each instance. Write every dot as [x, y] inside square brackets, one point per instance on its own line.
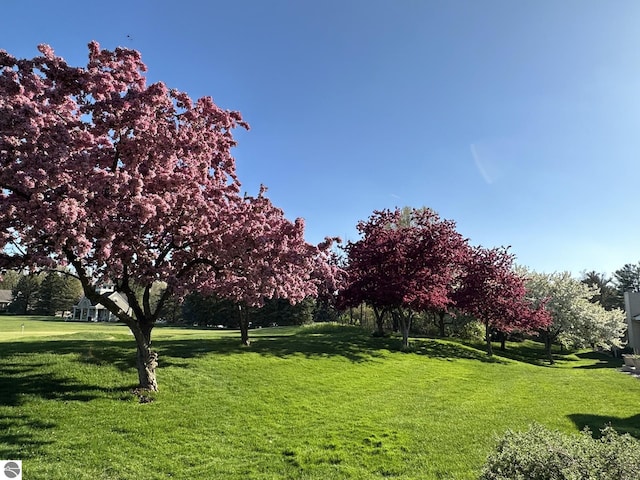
[542, 454]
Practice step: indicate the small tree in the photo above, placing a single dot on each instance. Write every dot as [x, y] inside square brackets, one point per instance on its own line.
[494, 293]
[575, 320]
[626, 279]
[606, 294]
[269, 258]
[58, 293]
[26, 294]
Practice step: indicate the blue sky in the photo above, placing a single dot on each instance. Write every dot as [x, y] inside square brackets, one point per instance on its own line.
[520, 120]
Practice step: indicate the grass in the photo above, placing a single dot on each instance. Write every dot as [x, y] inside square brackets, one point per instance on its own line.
[325, 402]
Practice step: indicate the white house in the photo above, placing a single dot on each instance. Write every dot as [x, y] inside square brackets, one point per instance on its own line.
[86, 310]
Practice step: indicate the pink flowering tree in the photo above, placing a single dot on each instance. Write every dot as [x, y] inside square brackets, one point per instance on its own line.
[134, 184]
[268, 257]
[404, 264]
[495, 294]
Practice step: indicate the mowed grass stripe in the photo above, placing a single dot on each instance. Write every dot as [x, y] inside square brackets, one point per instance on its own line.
[316, 403]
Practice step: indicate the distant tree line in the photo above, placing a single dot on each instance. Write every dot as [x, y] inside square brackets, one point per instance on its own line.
[213, 311]
[50, 293]
[610, 290]
[55, 293]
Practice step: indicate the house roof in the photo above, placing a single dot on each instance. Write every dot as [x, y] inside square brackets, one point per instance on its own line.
[6, 296]
[120, 300]
[117, 297]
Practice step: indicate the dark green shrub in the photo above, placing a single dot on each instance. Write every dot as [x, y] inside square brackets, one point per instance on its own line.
[542, 454]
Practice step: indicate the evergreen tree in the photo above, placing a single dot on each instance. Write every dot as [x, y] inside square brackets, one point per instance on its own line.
[25, 294]
[58, 293]
[607, 295]
[627, 279]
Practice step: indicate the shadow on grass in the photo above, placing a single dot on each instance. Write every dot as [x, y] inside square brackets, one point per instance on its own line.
[533, 353]
[451, 350]
[602, 360]
[20, 436]
[20, 380]
[595, 423]
[351, 343]
[118, 353]
[519, 352]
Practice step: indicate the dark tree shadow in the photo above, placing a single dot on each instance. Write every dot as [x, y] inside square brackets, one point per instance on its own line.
[353, 344]
[450, 350]
[595, 423]
[20, 436]
[354, 347]
[519, 353]
[118, 353]
[19, 381]
[534, 354]
[603, 360]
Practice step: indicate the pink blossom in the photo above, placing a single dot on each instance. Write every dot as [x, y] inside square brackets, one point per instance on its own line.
[137, 184]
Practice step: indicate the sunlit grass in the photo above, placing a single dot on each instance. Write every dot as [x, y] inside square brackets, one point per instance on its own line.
[300, 403]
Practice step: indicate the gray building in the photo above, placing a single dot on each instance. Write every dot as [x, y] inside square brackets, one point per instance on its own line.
[632, 309]
[6, 298]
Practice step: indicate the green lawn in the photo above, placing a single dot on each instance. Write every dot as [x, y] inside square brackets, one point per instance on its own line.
[310, 403]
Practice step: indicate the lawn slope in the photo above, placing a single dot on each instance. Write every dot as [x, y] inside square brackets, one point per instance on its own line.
[323, 402]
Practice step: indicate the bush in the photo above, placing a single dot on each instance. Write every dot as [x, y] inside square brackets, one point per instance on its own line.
[467, 329]
[541, 454]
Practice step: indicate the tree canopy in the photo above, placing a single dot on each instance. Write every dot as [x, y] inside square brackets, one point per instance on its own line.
[411, 260]
[405, 261]
[494, 292]
[130, 183]
[576, 320]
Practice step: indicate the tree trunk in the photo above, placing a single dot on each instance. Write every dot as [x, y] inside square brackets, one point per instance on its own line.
[379, 314]
[405, 326]
[547, 347]
[380, 326]
[244, 325]
[146, 358]
[441, 324]
[405, 337]
[503, 341]
[488, 339]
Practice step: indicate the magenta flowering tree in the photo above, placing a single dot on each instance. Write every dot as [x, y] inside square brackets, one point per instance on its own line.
[495, 294]
[134, 184]
[405, 262]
